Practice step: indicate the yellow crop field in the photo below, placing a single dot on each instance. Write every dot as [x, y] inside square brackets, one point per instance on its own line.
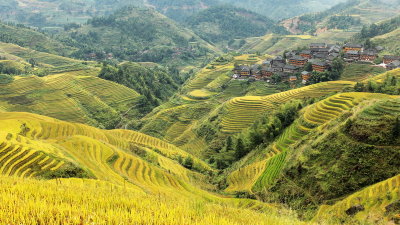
[206, 76]
[303, 37]
[45, 59]
[135, 174]
[24, 134]
[70, 96]
[373, 198]
[380, 78]
[82, 201]
[241, 112]
[200, 94]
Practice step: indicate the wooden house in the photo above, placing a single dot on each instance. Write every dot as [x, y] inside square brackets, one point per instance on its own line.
[277, 66]
[352, 55]
[242, 70]
[298, 61]
[319, 66]
[255, 70]
[352, 47]
[318, 45]
[266, 71]
[368, 56]
[387, 59]
[306, 54]
[290, 69]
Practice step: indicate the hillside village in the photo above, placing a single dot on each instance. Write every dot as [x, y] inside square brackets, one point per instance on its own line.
[299, 65]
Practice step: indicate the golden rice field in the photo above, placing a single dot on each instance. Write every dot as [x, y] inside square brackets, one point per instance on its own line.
[32, 144]
[135, 176]
[206, 76]
[261, 174]
[201, 94]
[44, 59]
[71, 96]
[241, 112]
[303, 37]
[83, 201]
[381, 78]
[374, 199]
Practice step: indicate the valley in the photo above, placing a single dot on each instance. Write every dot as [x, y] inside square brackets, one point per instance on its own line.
[200, 112]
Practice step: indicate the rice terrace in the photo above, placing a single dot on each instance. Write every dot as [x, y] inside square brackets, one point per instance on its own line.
[225, 112]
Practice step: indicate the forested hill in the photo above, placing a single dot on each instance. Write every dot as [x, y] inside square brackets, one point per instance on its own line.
[280, 9]
[137, 34]
[26, 37]
[225, 23]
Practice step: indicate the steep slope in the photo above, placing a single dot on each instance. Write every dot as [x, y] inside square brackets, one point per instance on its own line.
[390, 41]
[364, 143]
[226, 23]
[144, 36]
[41, 63]
[126, 164]
[77, 96]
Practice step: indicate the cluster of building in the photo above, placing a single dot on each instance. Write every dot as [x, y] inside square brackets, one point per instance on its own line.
[319, 55]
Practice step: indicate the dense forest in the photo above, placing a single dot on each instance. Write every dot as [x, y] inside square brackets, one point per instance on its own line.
[143, 36]
[226, 23]
[155, 84]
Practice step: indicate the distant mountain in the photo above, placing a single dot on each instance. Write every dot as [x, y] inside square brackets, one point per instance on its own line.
[136, 34]
[226, 23]
[180, 10]
[280, 9]
[350, 15]
[45, 13]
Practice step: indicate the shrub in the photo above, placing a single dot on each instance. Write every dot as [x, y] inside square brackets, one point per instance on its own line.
[6, 79]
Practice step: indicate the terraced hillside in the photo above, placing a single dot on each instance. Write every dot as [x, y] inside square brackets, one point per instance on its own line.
[381, 199]
[364, 144]
[121, 161]
[179, 120]
[49, 62]
[243, 111]
[263, 173]
[73, 96]
[48, 143]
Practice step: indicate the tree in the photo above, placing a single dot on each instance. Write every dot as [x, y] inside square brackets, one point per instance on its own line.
[240, 149]
[32, 62]
[396, 129]
[308, 67]
[188, 163]
[359, 87]
[229, 144]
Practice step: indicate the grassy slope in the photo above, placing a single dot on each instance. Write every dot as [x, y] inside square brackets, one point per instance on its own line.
[48, 62]
[389, 41]
[359, 72]
[366, 147]
[32, 39]
[72, 96]
[127, 165]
